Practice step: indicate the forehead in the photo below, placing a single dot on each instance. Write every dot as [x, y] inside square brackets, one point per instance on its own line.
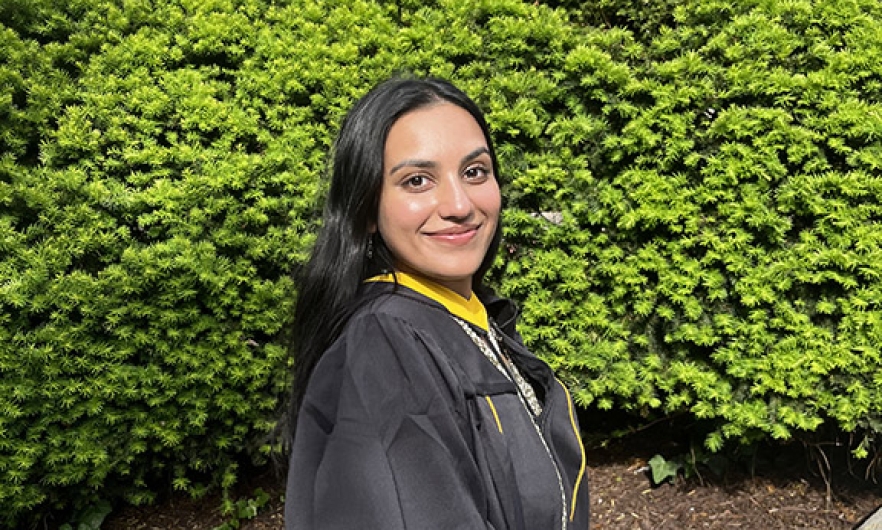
[432, 133]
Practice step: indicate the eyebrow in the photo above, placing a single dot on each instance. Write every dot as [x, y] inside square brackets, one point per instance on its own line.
[429, 164]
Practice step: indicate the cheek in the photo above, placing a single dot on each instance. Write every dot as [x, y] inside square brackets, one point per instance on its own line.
[402, 213]
[489, 200]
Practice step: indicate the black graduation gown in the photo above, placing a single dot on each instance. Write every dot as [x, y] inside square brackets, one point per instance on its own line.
[406, 425]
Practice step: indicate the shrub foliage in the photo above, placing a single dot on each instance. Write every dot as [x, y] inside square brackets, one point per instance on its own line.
[692, 214]
[718, 180]
[159, 181]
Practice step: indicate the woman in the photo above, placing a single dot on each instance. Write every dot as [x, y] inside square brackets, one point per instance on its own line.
[423, 409]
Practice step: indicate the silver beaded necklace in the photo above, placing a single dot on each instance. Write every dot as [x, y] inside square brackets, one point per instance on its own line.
[525, 392]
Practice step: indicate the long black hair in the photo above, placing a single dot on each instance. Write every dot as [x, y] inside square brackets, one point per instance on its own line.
[339, 263]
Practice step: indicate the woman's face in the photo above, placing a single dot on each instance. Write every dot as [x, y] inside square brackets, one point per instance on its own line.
[439, 203]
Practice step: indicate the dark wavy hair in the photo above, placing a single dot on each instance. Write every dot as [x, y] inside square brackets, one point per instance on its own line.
[329, 282]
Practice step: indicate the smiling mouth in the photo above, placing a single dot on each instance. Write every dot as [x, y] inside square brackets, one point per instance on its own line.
[457, 236]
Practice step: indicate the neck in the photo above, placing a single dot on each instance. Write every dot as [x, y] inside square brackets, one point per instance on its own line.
[462, 287]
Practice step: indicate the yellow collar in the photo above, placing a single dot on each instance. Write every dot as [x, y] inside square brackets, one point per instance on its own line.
[471, 310]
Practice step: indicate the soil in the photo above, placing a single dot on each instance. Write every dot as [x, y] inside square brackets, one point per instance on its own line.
[775, 487]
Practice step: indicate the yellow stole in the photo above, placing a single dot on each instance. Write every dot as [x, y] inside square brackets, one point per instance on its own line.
[471, 310]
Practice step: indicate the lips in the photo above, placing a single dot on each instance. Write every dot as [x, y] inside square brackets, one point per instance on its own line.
[457, 235]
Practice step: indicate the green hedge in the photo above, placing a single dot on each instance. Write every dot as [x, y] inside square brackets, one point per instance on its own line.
[718, 180]
[691, 216]
[161, 175]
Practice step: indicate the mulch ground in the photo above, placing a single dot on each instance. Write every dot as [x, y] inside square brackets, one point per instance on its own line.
[777, 488]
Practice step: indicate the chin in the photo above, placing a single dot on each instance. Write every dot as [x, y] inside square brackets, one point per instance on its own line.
[448, 277]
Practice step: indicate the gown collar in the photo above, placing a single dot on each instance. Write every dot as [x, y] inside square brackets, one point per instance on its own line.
[471, 310]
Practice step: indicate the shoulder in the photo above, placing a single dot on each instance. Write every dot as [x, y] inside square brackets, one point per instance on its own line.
[384, 365]
[387, 338]
[399, 305]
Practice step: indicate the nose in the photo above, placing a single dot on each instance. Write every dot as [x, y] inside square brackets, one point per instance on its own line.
[454, 201]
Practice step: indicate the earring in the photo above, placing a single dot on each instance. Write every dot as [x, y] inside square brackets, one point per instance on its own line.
[370, 247]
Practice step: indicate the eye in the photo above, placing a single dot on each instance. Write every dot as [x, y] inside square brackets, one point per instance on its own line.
[477, 172]
[416, 182]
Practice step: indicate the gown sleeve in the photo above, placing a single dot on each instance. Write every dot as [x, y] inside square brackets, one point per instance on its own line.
[380, 441]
